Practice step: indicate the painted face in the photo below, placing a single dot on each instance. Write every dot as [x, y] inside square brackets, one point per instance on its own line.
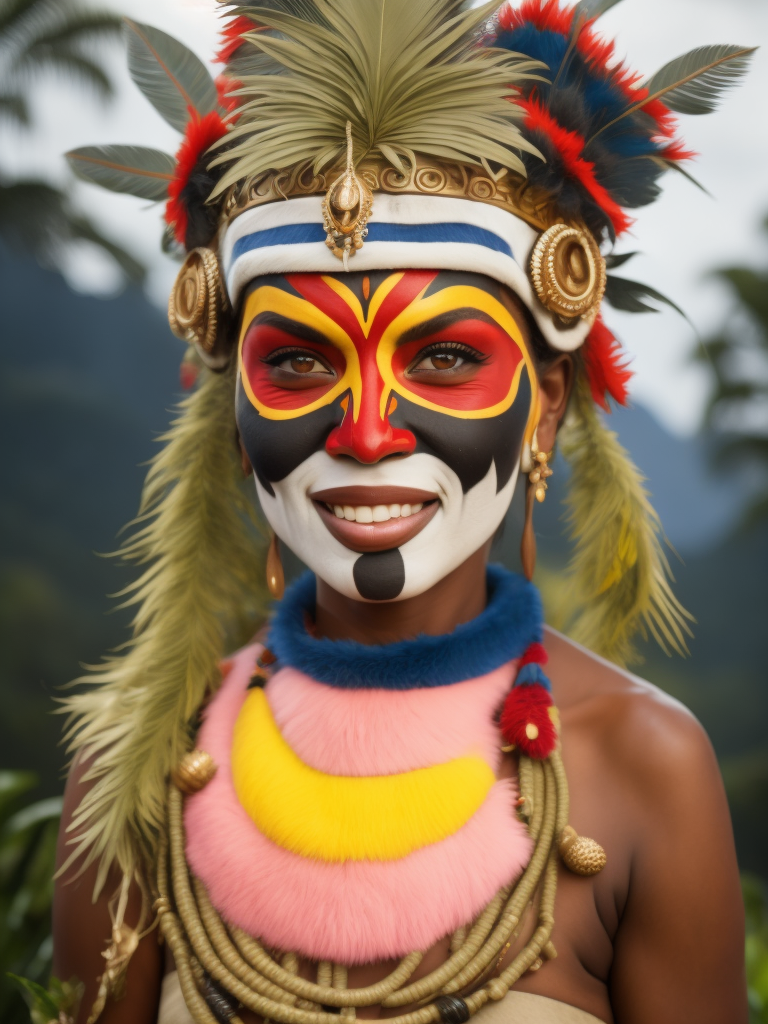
[383, 415]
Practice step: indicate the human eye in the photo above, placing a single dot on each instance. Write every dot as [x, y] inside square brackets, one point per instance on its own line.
[444, 359]
[299, 367]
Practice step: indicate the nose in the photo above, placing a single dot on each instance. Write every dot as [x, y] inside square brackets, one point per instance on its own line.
[369, 437]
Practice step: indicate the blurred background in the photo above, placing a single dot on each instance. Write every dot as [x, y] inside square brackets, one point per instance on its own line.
[89, 372]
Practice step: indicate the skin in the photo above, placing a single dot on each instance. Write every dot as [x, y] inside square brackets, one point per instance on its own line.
[656, 936]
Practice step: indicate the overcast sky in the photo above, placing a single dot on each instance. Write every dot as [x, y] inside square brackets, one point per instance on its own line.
[682, 236]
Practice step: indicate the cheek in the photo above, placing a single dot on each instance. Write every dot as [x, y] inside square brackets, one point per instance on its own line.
[470, 446]
[276, 447]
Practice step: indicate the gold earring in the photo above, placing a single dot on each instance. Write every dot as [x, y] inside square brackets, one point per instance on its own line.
[535, 490]
[275, 575]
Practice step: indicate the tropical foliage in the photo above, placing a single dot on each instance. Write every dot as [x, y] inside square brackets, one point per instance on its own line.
[27, 850]
[737, 357]
[52, 37]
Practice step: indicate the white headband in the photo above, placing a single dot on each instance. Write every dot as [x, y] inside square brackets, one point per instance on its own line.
[404, 232]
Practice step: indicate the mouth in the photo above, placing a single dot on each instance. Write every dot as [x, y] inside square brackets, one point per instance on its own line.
[375, 518]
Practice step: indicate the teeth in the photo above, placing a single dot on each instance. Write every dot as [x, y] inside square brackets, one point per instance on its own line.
[375, 513]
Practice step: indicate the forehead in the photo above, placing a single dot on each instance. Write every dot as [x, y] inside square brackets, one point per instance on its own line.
[365, 285]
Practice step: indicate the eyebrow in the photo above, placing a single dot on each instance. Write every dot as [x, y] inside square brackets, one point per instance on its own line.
[294, 327]
[442, 321]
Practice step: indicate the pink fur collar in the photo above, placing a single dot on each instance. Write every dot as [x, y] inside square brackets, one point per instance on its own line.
[355, 911]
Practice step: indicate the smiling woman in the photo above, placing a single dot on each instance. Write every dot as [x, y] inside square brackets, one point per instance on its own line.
[397, 230]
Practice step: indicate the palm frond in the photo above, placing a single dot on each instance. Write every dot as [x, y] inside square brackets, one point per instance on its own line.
[84, 230]
[14, 107]
[407, 74]
[619, 569]
[38, 218]
[171, 77]
[76, 26]
[137, 170]
[135, 716]
[61, 58]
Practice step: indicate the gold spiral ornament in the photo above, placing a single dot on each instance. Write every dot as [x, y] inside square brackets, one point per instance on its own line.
[430, 179]
[568, 273]
[482, 189]
[196, 301]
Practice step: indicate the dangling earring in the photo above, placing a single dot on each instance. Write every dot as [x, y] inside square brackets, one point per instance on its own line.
[275, 575]
[535, 490]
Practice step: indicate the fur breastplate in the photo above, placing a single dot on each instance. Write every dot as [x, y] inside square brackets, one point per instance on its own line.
[357, 816]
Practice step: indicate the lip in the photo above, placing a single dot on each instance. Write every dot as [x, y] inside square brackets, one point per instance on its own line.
[364, 537]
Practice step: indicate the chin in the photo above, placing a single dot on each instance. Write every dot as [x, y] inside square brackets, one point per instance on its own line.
[384, 559]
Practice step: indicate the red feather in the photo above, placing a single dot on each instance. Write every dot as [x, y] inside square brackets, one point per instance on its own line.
[201, 133]
[600, 53]
[225, 86]
[604, 362]
[526, 722]
[570, 146]
[232, 37]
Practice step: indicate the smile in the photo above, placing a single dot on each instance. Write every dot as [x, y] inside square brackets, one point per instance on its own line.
[375, 518]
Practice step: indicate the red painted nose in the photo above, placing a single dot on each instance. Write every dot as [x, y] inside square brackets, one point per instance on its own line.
[369, 438]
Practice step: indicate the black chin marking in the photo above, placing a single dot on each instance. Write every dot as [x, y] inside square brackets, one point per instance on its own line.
[379, 575]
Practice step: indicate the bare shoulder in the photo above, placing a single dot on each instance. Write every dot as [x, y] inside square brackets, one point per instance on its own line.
[637, 720]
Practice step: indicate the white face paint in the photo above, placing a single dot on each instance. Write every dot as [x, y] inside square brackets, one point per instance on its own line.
[461, 524]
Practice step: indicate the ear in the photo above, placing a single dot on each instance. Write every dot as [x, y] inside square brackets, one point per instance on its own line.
[555, 383]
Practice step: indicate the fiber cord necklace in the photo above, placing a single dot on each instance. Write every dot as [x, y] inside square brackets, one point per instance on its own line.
[220, 966]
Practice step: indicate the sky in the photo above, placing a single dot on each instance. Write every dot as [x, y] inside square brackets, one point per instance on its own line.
[681, 238]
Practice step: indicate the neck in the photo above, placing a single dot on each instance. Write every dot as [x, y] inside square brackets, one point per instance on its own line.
[458, 597]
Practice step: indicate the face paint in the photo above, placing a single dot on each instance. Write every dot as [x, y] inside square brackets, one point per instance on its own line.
[384, 416]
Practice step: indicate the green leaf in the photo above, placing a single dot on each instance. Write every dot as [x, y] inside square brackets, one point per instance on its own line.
[629, 295]
[137, 170]
[614, 259]
[40, 999]
[33, 814]
[591, 9]
[171, 77]
[694, 83]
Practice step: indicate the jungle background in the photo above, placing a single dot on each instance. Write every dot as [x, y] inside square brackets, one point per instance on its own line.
[86, 386]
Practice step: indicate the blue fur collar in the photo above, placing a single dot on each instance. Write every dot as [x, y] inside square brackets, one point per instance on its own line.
[510, 622]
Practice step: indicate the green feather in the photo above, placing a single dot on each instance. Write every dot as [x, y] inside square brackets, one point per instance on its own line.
[201, 583]
[407, 74]
[619, 570]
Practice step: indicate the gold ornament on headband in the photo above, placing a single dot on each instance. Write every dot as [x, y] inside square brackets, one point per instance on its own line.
[197, 301]
[568, 273]
[346, 208]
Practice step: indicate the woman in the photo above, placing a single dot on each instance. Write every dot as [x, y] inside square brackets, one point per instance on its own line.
[393, 287]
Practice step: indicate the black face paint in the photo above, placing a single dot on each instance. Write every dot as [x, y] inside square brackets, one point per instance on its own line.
[379, 575]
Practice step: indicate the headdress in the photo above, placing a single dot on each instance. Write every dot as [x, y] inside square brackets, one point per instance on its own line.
[379, 135]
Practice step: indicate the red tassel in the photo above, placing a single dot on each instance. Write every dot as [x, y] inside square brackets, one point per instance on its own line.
[534, 654]
[526, 722]
[607, 372]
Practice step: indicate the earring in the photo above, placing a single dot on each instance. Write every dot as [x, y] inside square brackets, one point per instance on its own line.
[275, 575]
[535, 490]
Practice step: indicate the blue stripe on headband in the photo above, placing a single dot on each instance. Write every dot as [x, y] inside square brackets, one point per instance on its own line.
[296, 234]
